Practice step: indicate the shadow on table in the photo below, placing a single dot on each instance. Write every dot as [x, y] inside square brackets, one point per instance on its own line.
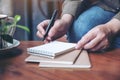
[10, 53]
[101, 51]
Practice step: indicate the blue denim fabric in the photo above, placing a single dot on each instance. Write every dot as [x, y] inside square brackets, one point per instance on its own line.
[87, 20]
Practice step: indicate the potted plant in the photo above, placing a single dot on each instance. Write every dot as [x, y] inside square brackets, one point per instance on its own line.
[7, 29]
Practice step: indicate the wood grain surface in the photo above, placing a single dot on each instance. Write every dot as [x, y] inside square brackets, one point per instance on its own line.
[105, 66]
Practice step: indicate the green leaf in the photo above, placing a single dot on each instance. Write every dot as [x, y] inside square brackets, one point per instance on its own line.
[17, 18]
[5, 28]
[23, 27]
[7, 38]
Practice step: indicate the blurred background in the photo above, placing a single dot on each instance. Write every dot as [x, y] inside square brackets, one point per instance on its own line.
[32, 13]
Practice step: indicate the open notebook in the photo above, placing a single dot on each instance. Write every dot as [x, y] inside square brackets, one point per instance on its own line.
[82, 61]
[51, 49]
[67, 58]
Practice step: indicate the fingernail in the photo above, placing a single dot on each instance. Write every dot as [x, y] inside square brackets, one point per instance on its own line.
[43, 33]
[49, 38]
[76, 47]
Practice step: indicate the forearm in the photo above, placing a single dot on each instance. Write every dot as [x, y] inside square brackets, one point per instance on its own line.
[67, 18]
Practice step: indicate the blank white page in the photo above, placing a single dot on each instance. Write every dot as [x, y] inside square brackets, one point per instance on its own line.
[52, 49]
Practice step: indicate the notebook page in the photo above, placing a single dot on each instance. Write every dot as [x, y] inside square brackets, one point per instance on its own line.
[52, 49]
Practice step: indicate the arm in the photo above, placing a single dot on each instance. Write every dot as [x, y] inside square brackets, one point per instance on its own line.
[114, 24]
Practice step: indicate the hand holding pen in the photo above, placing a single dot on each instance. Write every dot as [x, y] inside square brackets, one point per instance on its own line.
[51, 23]
[58, 29]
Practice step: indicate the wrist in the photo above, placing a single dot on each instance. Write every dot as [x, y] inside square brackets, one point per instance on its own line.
[67, 18]
[114, 25]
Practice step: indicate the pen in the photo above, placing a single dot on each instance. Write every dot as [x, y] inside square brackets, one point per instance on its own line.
[50, 24]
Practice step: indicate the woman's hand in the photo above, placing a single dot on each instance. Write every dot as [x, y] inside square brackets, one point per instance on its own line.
[59, 28]
[99, 37]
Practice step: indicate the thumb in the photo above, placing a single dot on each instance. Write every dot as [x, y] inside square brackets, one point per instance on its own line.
[54, 30]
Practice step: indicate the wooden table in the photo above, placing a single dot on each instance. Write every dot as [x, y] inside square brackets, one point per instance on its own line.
[105, 66]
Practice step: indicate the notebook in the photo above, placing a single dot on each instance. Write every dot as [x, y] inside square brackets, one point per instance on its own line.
[51, 49]
[82, 61]
[67, 58]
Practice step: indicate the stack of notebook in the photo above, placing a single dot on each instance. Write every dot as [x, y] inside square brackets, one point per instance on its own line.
[58, 54]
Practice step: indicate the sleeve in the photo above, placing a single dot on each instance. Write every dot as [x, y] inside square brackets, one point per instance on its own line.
[117, 16]
[70, 6]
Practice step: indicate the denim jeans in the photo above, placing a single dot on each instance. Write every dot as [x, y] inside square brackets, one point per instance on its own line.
[89, 19]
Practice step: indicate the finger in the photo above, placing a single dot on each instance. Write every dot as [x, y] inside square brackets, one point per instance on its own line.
[97, 48]
[46, 41]
[42, 26]
[93, 42]
[54, 31]
[101, 46]
[39, 34]
[84, 40]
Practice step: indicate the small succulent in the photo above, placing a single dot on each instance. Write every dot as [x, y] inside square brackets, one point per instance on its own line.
[5, 26]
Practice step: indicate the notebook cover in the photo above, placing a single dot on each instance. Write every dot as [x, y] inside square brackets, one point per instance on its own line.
[67, 58]
[81, 62]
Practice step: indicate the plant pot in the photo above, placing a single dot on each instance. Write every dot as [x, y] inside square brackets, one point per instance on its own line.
[10, 31]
